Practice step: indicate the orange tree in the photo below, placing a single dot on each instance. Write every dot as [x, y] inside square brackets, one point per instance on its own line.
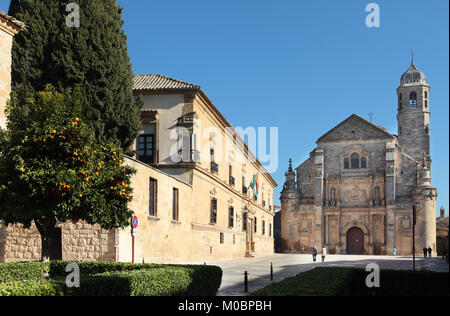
[53, 171]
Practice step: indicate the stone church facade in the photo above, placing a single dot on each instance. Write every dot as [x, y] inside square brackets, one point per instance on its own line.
[355, 194]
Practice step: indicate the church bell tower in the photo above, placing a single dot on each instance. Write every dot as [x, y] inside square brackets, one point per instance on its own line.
[414, 113]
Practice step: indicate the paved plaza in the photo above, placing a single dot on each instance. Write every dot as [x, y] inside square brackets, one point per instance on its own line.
[289, 265]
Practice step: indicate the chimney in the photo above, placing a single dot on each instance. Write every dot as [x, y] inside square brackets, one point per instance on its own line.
[442, 212]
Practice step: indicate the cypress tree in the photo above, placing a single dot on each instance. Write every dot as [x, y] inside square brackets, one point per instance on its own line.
[92, 58]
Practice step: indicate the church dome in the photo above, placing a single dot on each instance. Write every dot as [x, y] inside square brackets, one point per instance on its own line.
[413, 76]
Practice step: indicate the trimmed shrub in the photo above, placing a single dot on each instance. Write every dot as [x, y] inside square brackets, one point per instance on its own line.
[161, 281]
[110, 279]
[23, 271]
[58, 268]
[30, 288]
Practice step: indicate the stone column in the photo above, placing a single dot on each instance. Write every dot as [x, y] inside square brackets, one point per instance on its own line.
[390, 196]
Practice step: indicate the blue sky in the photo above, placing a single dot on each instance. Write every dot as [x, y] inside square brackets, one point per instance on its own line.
[302, 66]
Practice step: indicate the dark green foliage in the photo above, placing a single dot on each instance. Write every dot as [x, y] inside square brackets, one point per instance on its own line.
[31, 288]
[352, 282]
[93, 58]
[21, 271]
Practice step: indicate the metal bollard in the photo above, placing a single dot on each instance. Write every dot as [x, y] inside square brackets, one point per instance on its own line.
[246, 282]
[271, 271]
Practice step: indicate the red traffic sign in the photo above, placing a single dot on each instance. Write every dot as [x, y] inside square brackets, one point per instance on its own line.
[134, 222]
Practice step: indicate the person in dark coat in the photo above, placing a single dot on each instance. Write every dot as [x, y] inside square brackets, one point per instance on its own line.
[429, 252]
[425, 250]
[314, 253]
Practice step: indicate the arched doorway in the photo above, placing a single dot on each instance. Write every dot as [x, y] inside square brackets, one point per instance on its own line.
[355, 241]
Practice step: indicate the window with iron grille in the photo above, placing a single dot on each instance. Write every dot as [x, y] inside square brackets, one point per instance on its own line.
[153, 197]
[244, 222]
[213, 219]
[231, 217]
[175, 205]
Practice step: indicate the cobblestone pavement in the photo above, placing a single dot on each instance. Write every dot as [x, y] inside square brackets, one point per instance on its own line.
[289, 265]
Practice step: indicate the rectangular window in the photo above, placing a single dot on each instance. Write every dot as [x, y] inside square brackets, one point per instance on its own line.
[244, 188]
[264, 227]
[146, 148]
[222, 238]
[270, 230]
[153, 198]
[231, 217]
[346, 163]
[175, 209]
[363, 163]
[244, 222]
[256, 225]
[213, 219]
[232, 181]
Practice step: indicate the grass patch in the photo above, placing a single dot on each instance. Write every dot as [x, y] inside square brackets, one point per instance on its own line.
[317, 282]
[352, 282]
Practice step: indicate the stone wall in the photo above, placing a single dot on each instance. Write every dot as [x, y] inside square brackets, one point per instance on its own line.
[80, 241]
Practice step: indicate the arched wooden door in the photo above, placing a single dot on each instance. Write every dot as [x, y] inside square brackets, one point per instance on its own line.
[355, 241]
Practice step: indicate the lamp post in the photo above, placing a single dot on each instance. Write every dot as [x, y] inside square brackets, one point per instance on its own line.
[414, 237]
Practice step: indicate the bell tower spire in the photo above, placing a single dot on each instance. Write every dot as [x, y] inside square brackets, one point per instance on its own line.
[414, 112]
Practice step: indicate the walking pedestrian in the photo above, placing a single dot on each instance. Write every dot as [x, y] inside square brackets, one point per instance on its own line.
[425, 252]
[429, 252]
[303, 250]
[314, 253]
[324, 253]
[394, 252]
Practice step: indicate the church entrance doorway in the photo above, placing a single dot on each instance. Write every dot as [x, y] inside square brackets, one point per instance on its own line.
[355, 241]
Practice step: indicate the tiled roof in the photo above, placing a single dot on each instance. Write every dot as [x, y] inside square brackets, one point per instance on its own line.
[159, 82]
[12, 20]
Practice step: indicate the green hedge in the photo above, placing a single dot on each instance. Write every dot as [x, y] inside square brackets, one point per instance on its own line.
[352, 282]
[30, 288]
[161, 281]
[109, 278]
[23, 271]
[58, 268]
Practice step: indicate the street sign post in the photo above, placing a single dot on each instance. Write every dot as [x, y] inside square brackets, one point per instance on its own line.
[134, 224]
